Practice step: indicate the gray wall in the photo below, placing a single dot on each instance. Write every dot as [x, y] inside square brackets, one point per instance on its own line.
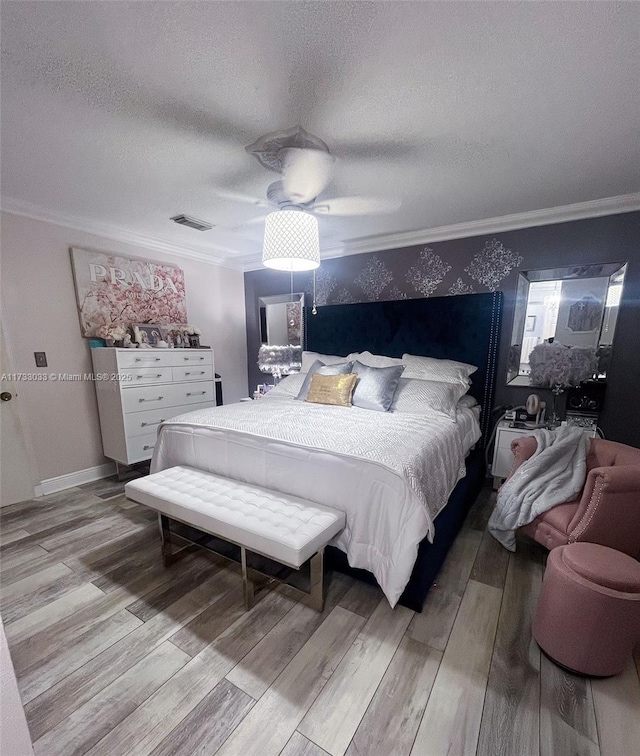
[480, 264]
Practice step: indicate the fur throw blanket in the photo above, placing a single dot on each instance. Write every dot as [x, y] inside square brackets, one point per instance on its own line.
[555, 474]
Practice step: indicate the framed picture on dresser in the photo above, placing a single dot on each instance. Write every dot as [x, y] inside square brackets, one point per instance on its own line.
[174, 333]
[146, 333]
[182, 335]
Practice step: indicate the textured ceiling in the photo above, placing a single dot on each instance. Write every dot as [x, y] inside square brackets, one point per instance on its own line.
[127, 113]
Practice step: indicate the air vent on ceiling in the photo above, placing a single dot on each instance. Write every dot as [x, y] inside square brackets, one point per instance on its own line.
[187, 220]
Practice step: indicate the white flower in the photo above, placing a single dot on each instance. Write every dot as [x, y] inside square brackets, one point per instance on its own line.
[115, 331]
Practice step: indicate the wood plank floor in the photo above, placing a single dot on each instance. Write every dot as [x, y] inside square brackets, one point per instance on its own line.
[117, 655]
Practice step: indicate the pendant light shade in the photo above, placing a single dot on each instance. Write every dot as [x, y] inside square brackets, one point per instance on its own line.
[291, 241]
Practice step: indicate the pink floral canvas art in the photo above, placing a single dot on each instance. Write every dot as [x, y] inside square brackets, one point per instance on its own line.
[117, 289]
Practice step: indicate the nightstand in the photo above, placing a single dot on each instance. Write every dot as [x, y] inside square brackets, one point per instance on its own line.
[502, 456]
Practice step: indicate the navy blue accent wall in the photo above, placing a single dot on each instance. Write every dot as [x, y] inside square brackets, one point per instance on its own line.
[480, 264]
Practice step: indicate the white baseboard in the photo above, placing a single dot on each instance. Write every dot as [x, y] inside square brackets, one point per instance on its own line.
[53, 485]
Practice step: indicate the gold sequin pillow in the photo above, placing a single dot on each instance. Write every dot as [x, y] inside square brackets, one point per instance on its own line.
[332, 389]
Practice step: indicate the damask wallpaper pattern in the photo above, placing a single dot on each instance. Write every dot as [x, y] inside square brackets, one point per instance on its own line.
[492, 264]
[325, 284]
[426, 275]
[429, 275]
[460, 287]
[374, 277]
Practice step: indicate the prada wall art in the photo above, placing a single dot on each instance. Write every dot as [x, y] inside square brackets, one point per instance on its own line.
[115, 289]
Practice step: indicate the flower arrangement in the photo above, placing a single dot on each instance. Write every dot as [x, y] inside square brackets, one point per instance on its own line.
[192, 330]
[558, 365]
[112, 331]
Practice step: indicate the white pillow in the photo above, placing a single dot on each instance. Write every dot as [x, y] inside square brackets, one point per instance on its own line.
[431, 369]
[374, 360]
[421, 397]
[288, 387]
[308, 358]
[468, 401]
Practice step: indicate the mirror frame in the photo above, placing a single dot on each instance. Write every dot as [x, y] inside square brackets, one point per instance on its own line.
[525, 279]
[263, 302]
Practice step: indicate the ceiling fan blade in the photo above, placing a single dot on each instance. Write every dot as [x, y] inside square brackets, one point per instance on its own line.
[306, 173]
[356, 206]
[248, 223]
[376, 149]
[246, 199]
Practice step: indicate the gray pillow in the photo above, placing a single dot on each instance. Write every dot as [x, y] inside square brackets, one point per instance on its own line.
[344, 368]
[376, 387]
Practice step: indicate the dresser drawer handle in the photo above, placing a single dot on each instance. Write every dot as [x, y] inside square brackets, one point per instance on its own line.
[150, 359]
[188, 359]
[144, 425]
[157, 375]
[157, 399]
[195, 393]
[195, 372]
[146, 447]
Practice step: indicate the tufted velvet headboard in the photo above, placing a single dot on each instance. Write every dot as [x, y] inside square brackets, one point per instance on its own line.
[464, 328]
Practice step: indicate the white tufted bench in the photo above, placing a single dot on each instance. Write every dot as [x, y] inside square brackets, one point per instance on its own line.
[283, 528]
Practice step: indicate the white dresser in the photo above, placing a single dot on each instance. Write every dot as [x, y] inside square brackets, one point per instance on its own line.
[138, 389]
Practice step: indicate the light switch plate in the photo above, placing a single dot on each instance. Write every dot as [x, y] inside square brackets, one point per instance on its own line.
[41, 359]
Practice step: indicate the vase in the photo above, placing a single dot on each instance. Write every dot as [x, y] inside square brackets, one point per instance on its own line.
[554, 420]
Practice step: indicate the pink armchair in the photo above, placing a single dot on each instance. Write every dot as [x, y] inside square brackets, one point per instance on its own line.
[608, 511]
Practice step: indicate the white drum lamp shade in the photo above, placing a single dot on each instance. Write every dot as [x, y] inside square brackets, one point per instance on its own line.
[291, 241]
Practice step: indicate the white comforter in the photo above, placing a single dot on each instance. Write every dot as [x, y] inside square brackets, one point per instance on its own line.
[391, 473]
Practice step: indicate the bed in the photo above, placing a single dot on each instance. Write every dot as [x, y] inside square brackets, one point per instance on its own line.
[392, 473]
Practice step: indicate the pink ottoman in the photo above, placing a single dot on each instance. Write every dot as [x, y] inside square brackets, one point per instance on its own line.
[588, 613]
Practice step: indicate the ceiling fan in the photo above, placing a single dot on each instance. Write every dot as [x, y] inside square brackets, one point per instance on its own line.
[306, 165]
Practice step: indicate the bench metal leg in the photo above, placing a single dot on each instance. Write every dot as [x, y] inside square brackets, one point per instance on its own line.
[247, 582]
[316, 574]
[165, 537]
[315, 597]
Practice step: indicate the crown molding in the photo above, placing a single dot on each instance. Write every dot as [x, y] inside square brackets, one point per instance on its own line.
[233, 258]
[625, 203]
[219, 255]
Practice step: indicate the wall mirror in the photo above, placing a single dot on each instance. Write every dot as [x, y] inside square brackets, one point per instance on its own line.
[282, 319]
[572, 307]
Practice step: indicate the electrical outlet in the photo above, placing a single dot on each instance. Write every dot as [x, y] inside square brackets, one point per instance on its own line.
[41, 359]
